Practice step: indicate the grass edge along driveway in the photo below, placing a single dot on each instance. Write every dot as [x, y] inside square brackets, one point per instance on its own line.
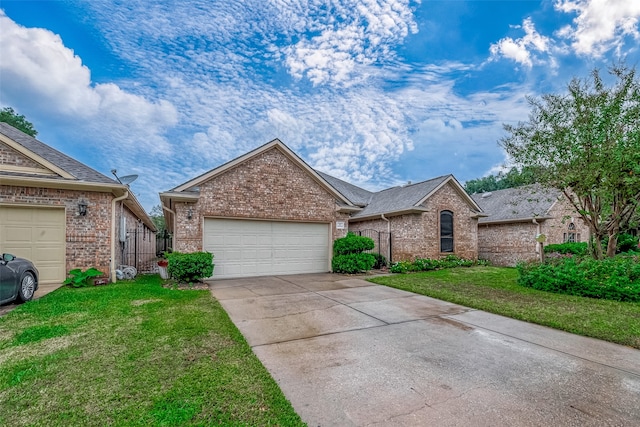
[132, 353]
[494, 289]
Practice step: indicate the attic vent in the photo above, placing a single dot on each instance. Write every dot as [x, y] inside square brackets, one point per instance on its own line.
[485, 195]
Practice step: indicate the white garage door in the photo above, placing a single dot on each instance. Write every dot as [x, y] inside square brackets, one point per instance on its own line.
[37, 234]
[244, 248]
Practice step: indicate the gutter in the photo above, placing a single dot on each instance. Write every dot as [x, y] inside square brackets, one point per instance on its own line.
[112, 266]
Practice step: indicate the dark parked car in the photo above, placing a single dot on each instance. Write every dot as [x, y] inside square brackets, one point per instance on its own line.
[18, 279]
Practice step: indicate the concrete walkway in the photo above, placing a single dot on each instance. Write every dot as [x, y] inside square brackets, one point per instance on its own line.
[42, 291]
[347, 352]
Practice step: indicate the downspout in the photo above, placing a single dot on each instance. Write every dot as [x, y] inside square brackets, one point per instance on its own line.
[388, 231]
[388, 223]
[112, 266]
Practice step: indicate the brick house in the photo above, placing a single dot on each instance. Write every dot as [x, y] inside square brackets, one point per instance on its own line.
[60, 213]
[268, 212]
[515, 216]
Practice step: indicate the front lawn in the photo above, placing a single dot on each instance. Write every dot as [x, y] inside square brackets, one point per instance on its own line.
[494, 289]
[132, 353]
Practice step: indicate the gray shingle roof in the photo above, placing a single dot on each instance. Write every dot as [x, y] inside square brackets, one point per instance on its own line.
[400, 198]
[79, 170]
[516, 203]
[358, 196]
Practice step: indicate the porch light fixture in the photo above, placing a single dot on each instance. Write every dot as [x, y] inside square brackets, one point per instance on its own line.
[189, 213]
[82, 208]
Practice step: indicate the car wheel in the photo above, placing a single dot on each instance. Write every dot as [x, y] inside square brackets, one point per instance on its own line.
[27, 287]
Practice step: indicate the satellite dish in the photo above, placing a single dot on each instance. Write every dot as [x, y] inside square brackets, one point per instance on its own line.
[128, 179]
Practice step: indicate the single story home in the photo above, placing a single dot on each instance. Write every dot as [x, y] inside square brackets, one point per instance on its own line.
[516, 217]
[268, 212]
[62, 214]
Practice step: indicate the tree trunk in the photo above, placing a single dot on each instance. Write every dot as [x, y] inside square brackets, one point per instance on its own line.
[612, 245]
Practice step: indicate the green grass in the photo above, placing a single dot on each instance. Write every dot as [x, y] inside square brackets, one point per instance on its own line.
[494, 289]
[132, 353]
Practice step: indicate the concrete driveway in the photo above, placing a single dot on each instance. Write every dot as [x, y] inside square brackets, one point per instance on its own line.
[348, 352]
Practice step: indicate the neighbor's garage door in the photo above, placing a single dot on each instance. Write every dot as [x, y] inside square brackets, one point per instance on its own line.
[244, 248]
[37, 234]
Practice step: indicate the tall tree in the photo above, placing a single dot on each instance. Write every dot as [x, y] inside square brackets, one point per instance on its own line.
[513, 178]
[157, 216]
[18, 121]
[586, 143]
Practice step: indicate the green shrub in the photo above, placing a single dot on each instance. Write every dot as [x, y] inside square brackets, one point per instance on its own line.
[352, 244]
[426, 264]
[627, 243]
[615, 278]
[381, 261]
[352, 263]
[79, 278]
[575, 248]
[190, 267]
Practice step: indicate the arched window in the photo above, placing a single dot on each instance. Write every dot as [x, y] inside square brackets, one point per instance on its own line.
[446, 231]
[571, 236]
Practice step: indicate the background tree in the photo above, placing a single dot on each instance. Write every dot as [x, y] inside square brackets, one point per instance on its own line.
[157, 216]
[513, 178]
[586, 143]
[18, 121]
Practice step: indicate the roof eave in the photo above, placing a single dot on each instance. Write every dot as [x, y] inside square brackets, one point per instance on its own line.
[512, 220]
[64, 184]
[414, 210]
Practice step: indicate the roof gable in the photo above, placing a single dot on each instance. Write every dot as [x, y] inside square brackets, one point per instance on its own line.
[517, 204]
[189, 186]
[53, 163]
[410, 197]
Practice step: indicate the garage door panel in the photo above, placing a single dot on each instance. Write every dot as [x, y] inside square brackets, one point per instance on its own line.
[37, 234]
[245, 248]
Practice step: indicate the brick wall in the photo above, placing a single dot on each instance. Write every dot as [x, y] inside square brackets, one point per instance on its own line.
[88, 237]
[418, 235]
[506, 244]
[269, 186]
[9, 156]
[563, 214]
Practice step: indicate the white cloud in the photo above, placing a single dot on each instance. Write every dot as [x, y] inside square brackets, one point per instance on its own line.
[524, 50]
[600, 25]
[50, 76]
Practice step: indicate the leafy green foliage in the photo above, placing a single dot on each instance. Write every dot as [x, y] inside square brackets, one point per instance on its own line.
[349, 256]
[79, 278]
[513, 178]
[615, 278]
[157, 216]
[352, 244]
[352, 263]
[627, 243]
[190, 267]
[18, 121]
[575, 248]
[426, 264]
[586, 143]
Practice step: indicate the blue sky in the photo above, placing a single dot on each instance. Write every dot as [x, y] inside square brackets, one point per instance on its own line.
[377, 92]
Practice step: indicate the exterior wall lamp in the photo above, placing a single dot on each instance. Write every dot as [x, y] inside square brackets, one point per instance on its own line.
[82, 208]
[190, 213]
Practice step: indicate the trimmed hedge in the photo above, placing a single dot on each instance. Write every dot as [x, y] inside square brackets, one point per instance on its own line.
[426, 264]
[352, 263]
[575, 248]
[615, 278]
[190, 267]
[349, 256]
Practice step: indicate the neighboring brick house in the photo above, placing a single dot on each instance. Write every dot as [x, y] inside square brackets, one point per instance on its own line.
[516, 216]
[43, 194]
[268, 212]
